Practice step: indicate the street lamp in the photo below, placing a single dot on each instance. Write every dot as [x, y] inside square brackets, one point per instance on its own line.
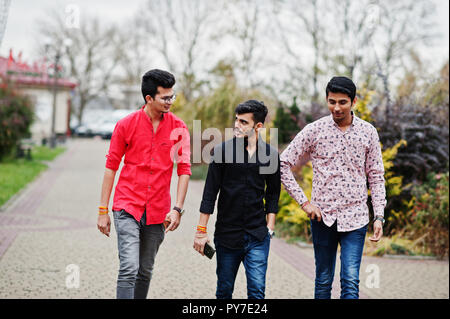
[58, 51]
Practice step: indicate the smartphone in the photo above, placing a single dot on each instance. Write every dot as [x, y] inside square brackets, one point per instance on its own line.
[209, 251]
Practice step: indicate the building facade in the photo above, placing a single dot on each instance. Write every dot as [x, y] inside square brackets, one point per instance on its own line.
[37, 82]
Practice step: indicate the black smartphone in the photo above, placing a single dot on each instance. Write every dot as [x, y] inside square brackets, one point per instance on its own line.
[209, 251]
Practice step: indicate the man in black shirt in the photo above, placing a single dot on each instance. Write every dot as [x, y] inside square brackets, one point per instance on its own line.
[246, 172]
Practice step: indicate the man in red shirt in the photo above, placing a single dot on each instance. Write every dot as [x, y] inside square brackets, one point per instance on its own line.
[151, 139]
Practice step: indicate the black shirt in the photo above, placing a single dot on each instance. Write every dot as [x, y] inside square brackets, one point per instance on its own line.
[244, 183]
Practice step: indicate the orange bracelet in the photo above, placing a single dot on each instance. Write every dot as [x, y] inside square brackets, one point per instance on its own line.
[201, 229]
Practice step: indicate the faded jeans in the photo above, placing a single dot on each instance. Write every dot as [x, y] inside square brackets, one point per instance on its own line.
[254, 257]
[137, 244]
[325, 241]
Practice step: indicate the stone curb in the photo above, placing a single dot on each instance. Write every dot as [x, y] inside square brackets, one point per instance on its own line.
[386, 256]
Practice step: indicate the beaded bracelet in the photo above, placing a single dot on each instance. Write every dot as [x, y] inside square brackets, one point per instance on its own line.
[201, 229]
[102, 210]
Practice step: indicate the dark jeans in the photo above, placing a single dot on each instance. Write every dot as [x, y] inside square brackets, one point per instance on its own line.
[138, 244]
[254, 256]
[325, 241]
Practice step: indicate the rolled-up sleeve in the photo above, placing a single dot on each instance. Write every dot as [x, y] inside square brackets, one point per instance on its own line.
[117, 147]
[184, 153]
[375, 174]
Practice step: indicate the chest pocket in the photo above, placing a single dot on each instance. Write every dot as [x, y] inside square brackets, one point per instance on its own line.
[357, 150]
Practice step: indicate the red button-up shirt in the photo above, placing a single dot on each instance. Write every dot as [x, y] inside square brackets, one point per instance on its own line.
[144, 182]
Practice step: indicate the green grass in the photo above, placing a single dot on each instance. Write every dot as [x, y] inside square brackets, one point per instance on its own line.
[17, 173]
[44, 153]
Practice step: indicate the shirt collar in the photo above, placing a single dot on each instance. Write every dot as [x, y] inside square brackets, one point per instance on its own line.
[355, 120]
[143, 112]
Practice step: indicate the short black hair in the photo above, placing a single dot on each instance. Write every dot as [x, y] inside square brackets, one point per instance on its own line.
[342, 84]
[257, 108]
[154, 78]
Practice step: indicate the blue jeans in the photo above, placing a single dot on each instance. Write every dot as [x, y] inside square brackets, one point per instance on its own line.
[138, 244]
[325, 240]
[254, 255]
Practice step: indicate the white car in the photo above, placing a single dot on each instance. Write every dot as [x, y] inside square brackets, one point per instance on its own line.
[106, 128]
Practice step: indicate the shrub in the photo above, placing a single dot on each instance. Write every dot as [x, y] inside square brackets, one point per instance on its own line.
[427, 138]
[16, 115]
[427, 220]
[292, 221]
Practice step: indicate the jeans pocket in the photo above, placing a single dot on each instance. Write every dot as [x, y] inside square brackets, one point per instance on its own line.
[321, 234]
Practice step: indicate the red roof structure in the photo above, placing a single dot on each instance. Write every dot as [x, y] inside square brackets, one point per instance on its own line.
[36, 74]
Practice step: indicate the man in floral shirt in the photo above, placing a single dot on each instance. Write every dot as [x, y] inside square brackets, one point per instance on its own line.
[346, 154]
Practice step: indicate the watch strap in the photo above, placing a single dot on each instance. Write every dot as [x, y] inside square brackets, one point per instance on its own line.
[380, 218]
[178, 209]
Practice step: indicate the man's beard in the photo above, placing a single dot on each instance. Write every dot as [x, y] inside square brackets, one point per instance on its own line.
[248, 134]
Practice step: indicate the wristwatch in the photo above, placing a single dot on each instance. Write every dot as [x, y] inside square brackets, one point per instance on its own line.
[271, 232]
[178, 209]
[379, 217]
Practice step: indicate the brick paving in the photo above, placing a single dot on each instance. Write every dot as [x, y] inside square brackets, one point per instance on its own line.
[50, 227]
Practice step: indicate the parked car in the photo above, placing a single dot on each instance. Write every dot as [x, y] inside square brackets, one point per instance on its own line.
[106, 127]
[84, 130]
[100, 123]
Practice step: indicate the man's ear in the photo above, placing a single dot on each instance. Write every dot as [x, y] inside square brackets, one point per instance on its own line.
[259, 126]
[148, 98]
[354, 101]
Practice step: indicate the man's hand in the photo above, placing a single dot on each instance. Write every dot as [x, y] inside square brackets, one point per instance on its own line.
[312, 211]
[377, 231]
[172, 221]
[104, 224]
[200, 240]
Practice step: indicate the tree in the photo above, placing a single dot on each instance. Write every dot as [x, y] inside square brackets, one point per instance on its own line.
[300, 22]
[403, 26]
[286, 120]
[179, 32]
[92, 58]
[367, 40]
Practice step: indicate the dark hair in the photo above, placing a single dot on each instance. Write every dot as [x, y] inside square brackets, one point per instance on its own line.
[342, 84]
[258, 109]
[154, 78]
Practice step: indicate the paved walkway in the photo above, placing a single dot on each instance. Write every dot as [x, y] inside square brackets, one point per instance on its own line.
[50, 227]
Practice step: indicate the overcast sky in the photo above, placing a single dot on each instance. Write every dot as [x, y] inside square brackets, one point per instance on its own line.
[20, 29]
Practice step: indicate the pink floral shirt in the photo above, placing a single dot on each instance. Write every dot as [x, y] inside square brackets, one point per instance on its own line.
[343, 163]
